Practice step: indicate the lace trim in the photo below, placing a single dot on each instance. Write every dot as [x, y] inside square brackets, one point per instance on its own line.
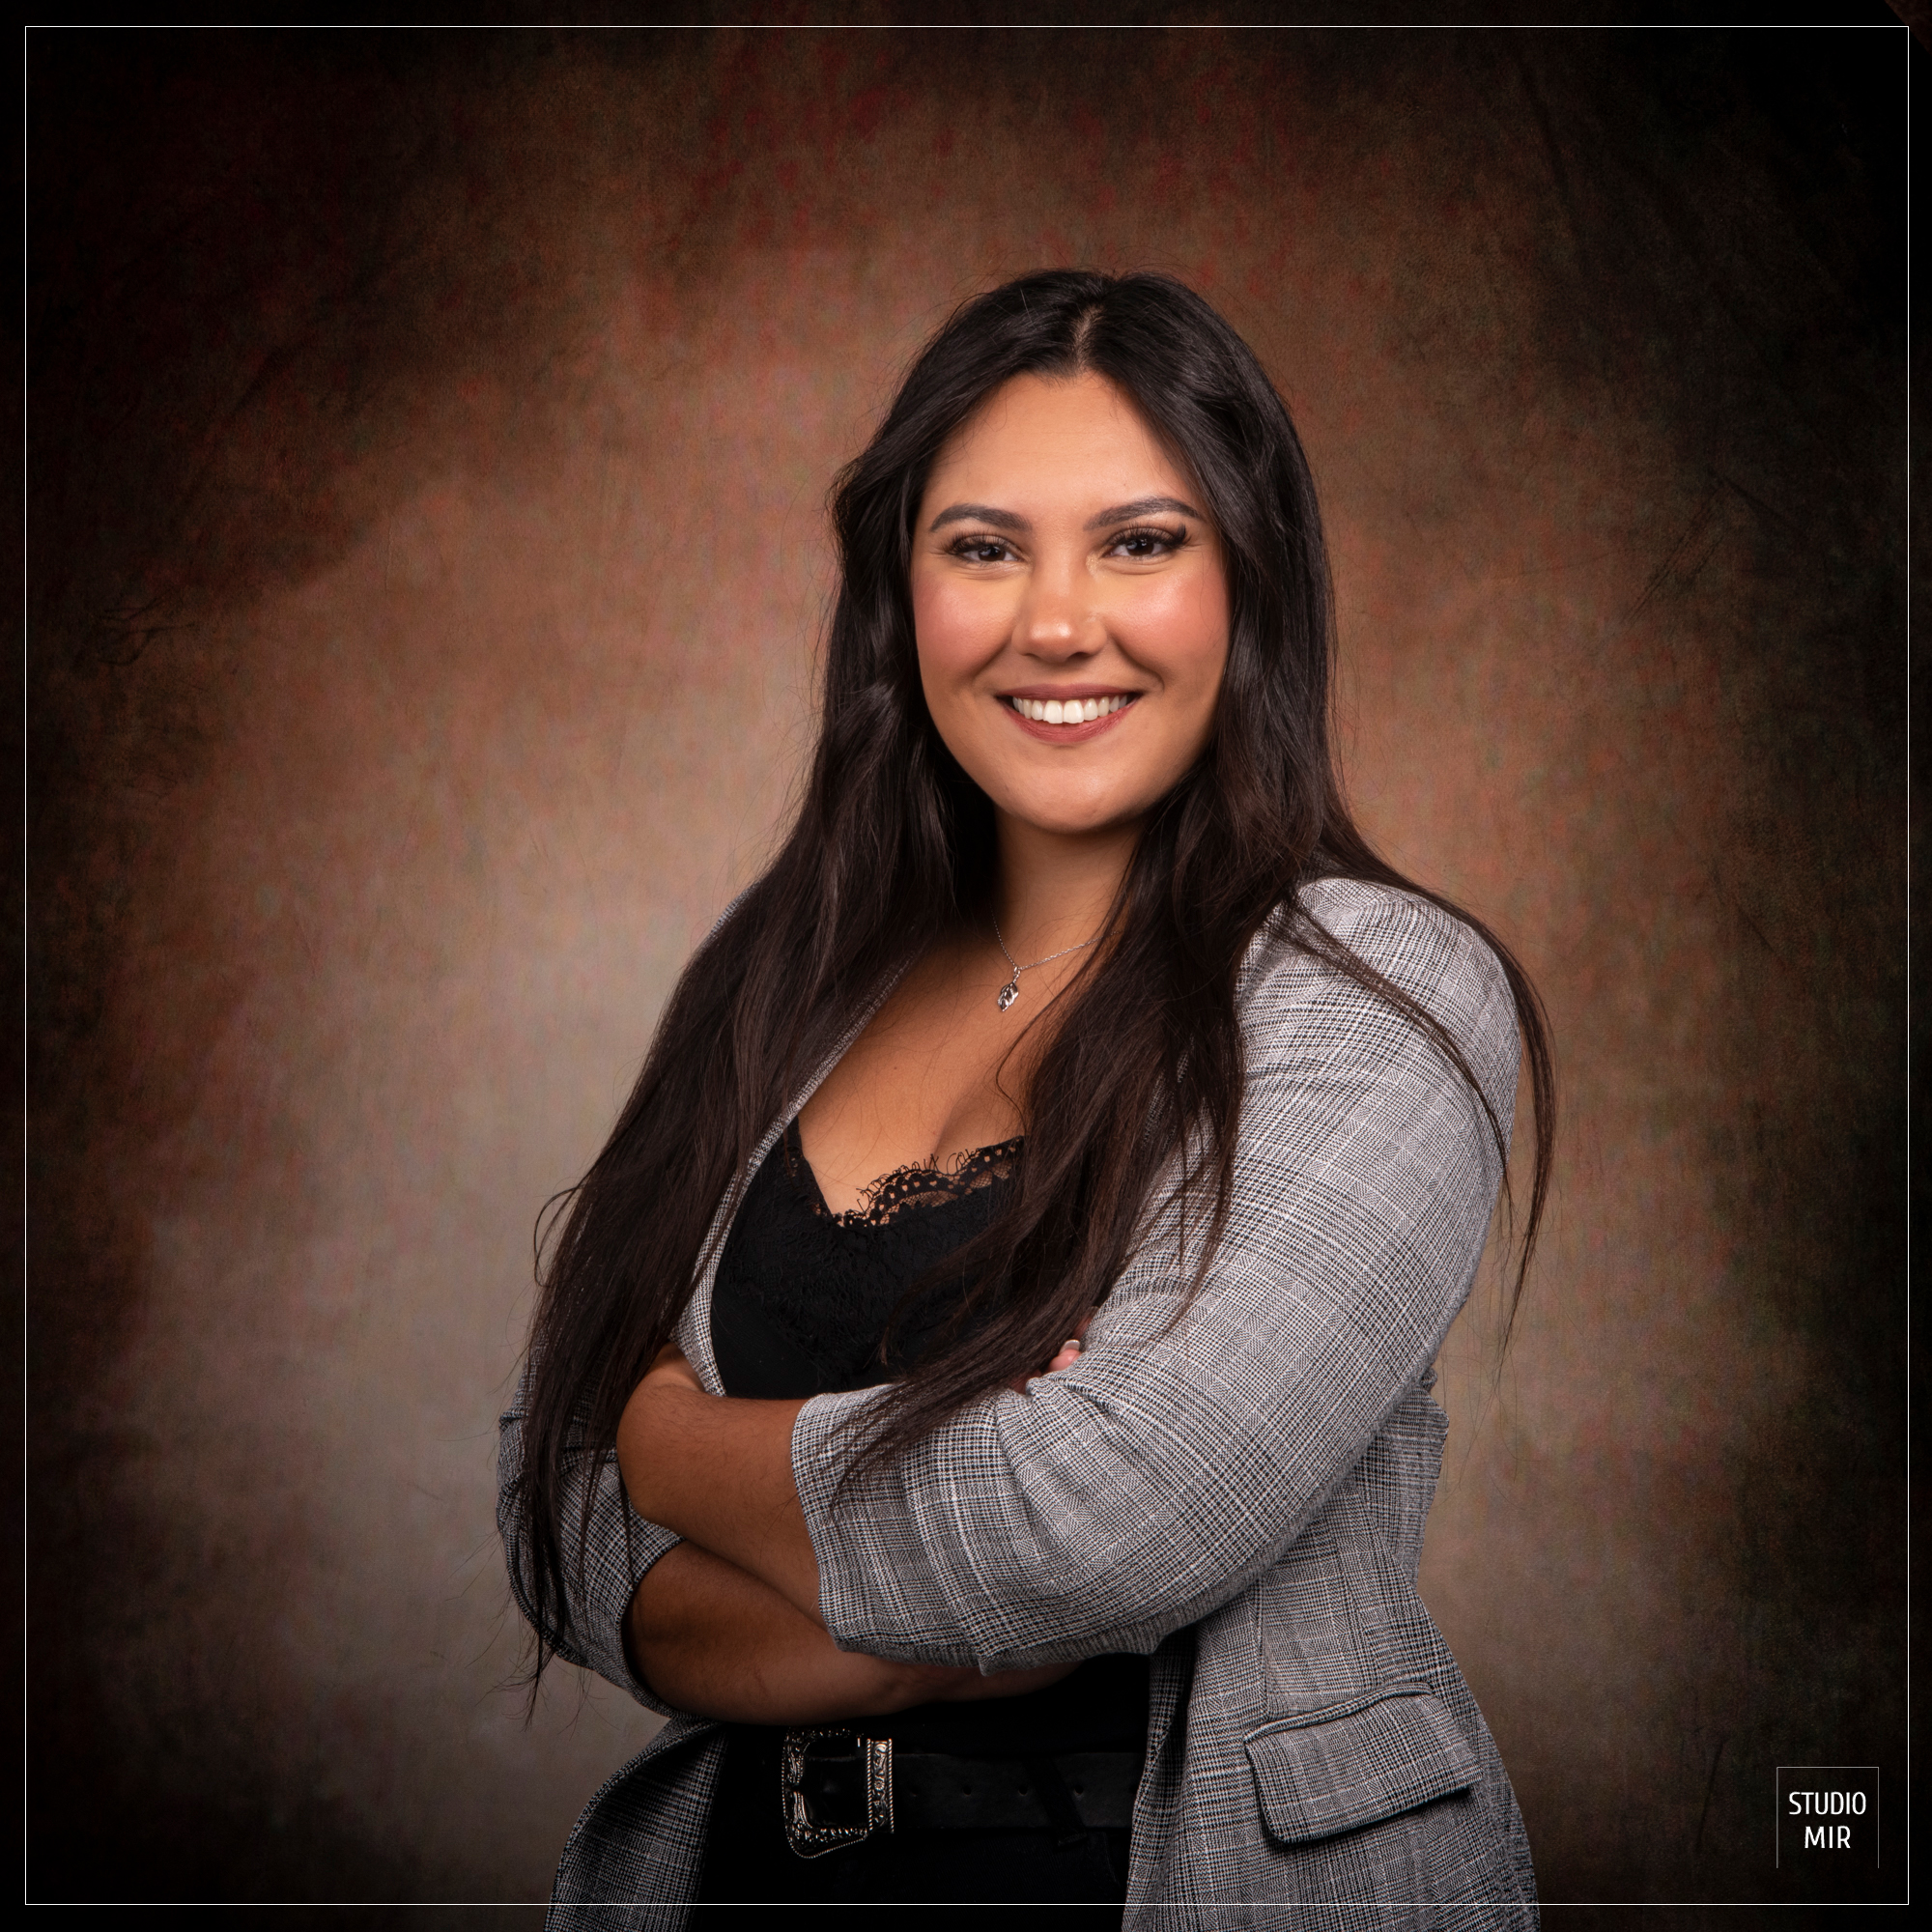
[922, 1184]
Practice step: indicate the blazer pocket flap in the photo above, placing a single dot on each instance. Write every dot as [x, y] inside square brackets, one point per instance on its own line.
[1335, 1770]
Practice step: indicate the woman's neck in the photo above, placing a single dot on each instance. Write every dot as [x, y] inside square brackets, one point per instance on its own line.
[1056, 888]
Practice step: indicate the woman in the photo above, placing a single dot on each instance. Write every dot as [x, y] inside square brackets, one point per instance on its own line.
[980, 1393]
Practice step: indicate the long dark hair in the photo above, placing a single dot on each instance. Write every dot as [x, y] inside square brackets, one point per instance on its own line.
[894, 846]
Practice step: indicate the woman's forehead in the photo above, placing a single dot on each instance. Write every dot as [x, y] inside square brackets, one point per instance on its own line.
[1057, 441]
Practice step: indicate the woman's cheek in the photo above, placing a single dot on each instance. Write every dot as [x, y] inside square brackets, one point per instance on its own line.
[959, 630]
[942, 614]
[1177, 627]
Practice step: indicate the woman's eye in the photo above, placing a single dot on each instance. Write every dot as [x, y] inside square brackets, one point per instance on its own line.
[1143, 544]
[982, 549]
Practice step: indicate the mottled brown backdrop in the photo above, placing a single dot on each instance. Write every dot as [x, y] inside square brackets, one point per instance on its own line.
[428, 439]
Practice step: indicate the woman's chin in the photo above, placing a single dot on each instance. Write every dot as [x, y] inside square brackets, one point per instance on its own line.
[1077, 825]
[1069, 813]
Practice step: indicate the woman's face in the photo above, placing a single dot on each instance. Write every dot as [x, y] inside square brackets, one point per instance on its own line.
[1070, 606]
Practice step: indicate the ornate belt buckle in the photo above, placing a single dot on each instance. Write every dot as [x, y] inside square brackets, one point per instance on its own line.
[835, 1789]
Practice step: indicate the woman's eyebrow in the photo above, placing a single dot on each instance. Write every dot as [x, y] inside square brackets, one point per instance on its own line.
[977, 513]
[1144, 506]
[1121, 513]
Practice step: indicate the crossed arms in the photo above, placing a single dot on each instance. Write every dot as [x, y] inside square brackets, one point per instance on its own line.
[1129, 1494]
[726, 1623]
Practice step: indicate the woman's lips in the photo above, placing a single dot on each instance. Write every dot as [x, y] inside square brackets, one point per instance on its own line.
[1067, 734]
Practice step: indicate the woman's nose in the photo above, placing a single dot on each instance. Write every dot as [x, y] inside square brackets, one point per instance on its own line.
[1056, 622]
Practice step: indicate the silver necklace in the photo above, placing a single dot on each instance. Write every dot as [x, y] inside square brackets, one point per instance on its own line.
[1010, 992]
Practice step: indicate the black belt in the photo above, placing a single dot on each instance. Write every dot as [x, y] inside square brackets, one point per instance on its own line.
[838, 1788]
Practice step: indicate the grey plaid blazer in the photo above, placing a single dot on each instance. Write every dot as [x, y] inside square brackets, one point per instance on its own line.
[1241, 1494]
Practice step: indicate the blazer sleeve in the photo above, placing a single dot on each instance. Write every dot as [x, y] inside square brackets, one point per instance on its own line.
[1137, 1492]
[618, 1549]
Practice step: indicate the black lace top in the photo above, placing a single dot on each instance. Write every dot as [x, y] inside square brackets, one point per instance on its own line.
[802, 1295]
[798, 1309]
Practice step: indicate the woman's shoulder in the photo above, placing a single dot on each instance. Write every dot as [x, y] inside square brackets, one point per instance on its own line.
[1400, 933]
[1437, 959]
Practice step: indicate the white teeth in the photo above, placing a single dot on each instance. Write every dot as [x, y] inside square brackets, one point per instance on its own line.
[1071, 711]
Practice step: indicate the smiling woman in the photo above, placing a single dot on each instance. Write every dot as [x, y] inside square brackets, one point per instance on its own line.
[1069, 592]
[1069, 657]
[994, 1425]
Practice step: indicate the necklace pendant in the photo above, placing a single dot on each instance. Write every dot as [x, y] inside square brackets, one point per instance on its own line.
[1009, 992]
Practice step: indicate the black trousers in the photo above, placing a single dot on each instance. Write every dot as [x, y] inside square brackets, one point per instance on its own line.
[749, 1861]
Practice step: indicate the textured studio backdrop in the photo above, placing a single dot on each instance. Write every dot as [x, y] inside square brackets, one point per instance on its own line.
[428, 438]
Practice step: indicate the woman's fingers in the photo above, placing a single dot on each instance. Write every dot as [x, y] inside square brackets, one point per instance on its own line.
[1066, 1356]
[1071, 1348]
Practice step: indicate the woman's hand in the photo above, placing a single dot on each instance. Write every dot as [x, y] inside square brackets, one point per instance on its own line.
[1067, 1353]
